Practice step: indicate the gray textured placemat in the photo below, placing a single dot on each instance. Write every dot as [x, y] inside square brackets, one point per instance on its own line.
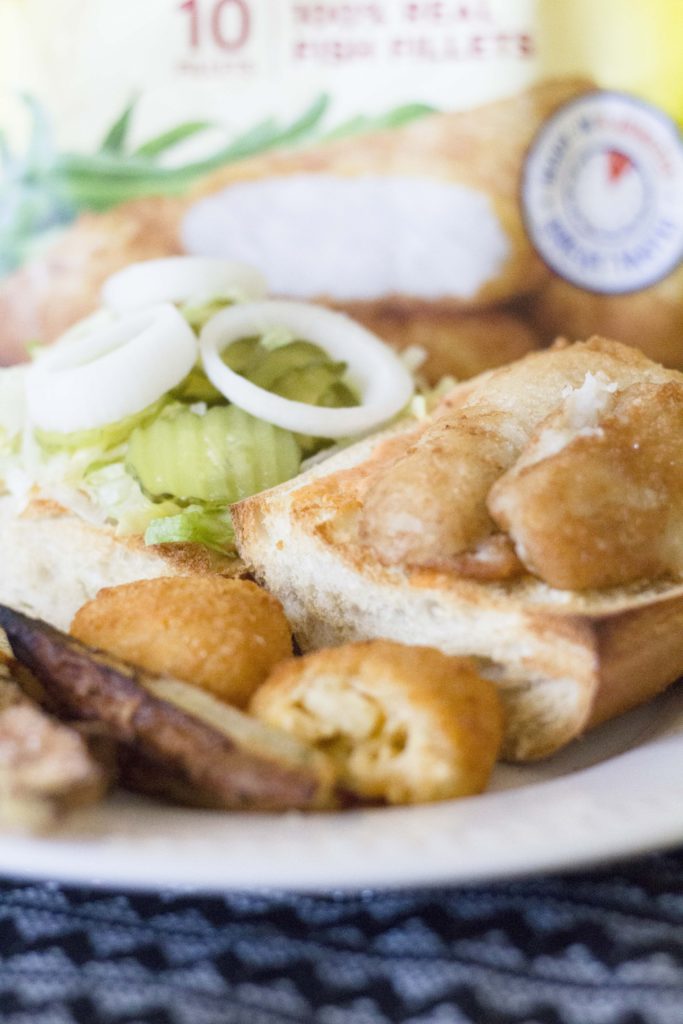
[600, 948]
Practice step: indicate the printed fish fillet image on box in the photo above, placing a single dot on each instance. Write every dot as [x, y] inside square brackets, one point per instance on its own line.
[409, 236]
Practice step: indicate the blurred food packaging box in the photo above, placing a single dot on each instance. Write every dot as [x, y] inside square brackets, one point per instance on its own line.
[475, 178]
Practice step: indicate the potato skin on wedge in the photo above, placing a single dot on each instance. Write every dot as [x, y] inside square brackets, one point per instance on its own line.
[46, 767]
[235, 765]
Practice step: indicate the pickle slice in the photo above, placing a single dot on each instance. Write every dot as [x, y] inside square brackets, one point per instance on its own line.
[309, 384]
[295, 356]
[299, 370]
[197, 387]
[338, 396]
[214, 459]
[242, 355]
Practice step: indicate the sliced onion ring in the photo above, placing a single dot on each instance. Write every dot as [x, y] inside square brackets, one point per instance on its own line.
[111, 373]
[375, 371]
[181, 279]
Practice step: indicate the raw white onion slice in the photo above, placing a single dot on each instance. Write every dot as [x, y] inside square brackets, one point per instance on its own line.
[383, 383]
[111, 373]
[181, 279]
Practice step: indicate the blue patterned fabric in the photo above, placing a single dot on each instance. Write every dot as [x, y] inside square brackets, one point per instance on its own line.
[599, 948]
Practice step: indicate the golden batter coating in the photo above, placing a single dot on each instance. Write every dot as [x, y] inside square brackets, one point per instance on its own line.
[223, 635]
[429, 506]
[401, 724]
[600, 504]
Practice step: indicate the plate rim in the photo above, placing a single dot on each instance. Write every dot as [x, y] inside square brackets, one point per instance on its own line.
[613, 814]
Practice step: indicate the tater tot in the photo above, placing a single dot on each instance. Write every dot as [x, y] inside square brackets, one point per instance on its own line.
[224, 635]
[401, 724]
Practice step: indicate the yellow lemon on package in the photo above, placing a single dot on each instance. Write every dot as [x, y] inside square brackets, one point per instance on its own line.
[622, 44]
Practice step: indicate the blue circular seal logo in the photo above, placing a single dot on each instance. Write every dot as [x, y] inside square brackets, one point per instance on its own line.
[602, 193]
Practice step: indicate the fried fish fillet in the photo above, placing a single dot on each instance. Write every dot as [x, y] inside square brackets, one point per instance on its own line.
[53, 291]
[598, 501]
[459, 345]
[429, 506]
[481, 150]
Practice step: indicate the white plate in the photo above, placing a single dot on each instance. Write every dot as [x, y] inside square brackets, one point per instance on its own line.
[616, 793]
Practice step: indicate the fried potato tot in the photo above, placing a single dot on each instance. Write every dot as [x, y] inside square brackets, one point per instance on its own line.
[221, 634]
[429, 506]
[401, 724]
[596, 500]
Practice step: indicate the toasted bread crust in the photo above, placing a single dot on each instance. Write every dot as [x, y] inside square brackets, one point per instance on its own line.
[54, 561]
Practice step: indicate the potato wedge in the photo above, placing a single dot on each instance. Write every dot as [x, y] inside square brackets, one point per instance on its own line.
[46, 768]
[192, 746]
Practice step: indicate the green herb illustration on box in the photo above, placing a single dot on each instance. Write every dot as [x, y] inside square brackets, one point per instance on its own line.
[45, 189]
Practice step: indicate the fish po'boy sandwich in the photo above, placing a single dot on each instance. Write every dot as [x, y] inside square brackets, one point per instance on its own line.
[534, 522]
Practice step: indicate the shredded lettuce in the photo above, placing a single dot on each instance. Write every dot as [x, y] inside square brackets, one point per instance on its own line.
[276, 337]
[113, 490]
[12, 400]
[35, 348]
[194, 525]
[427, 398]
[88, 471]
